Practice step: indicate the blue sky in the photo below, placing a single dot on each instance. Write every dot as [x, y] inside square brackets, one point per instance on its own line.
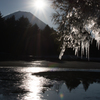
[10, 6]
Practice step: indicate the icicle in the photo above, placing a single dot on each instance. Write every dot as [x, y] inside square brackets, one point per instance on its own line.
[91, 30]
[82, 49]
[91, 41]
[88, 51]
[98, 43]
[76, 51]
[63, 50]
[61, 54]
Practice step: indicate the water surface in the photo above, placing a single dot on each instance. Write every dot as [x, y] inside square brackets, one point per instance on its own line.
[33, 82]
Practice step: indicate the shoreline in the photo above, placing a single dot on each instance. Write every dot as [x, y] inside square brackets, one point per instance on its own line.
[52, 64]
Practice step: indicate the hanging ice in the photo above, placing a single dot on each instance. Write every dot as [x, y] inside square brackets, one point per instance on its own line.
[77, 40]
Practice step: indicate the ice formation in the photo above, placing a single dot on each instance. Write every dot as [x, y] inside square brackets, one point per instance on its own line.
[81, 41]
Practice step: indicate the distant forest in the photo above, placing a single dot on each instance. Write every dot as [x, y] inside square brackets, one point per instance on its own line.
[20, 37]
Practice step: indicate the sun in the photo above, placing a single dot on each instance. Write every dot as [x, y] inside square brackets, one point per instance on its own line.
[39, 4]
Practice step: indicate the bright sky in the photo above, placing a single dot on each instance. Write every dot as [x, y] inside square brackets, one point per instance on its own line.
[44, 13]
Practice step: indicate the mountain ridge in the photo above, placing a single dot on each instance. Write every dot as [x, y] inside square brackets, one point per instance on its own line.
[32, 19]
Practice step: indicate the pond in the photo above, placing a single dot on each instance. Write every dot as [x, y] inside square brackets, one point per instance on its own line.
[35, 81]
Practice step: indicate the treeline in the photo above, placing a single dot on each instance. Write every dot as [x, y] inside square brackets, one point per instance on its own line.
[20, 37]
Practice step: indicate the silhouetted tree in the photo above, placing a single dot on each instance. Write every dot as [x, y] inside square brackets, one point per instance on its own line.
[19, 37]
[22, 28]
[2, 32]
[78, 22]
[10, 34]
[32, 39]
[49, 47]
[1, 23]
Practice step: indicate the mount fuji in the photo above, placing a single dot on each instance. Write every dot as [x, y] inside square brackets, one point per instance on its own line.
[32, 19]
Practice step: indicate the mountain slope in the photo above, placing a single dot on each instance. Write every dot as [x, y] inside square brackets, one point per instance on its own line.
[33, 19]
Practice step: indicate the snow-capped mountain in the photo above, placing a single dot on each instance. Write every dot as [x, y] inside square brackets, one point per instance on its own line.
[33, 19]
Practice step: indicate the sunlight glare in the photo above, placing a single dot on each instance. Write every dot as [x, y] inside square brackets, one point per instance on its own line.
[34, 85]
[39, 4]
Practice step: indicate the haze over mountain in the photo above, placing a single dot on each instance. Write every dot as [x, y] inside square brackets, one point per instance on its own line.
[32, 19]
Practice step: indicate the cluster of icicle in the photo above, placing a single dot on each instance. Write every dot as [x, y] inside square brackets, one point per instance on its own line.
[79, 41]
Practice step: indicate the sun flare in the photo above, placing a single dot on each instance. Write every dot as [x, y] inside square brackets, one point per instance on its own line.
[39, 4]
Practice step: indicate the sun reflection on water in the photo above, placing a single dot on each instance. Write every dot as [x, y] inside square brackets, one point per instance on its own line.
[34, 85]
[31, 83]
